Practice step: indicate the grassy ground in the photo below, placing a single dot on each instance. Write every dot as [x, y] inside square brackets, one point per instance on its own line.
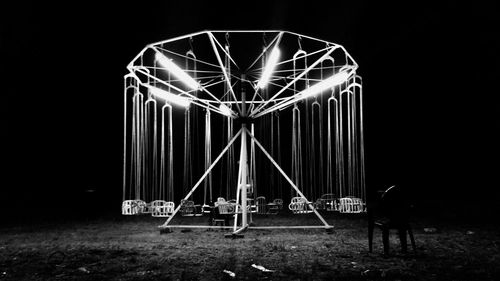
[131, 248]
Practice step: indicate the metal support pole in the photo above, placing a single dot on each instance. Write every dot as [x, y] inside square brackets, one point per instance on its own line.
[242, 185]
[288, 179]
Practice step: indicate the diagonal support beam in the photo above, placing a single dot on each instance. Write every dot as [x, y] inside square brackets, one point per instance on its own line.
[202, 178]
[288, 179]
[225, 52]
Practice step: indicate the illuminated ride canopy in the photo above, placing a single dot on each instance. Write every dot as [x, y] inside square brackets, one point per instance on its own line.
[243, 81]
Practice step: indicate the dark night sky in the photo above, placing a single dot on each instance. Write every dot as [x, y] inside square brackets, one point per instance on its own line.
[433, 129]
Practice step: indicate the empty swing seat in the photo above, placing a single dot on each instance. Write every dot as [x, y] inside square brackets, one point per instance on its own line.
[299, 205]
[274, 207]
[279, 203]
[261, 205]
[129, 207]
[162, 208]
[188, 208]
[141, 206]
[146, 208]
[327, 202]
[351, 205]
[251, 207]
[224, 212]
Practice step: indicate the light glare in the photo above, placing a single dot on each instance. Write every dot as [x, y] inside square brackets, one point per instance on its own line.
[169, 97]
[176, 71]
[268, 70]
[332, 81]
[225, 110]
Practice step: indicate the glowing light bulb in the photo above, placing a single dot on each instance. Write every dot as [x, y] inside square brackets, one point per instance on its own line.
[268, 70]
[177, 71]
[332, 81]
[225, 110]
[169, 97]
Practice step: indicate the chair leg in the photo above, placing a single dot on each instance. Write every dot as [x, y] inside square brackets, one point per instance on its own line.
[385, 240]
[412, 240]
[370, 236]
[403, 240]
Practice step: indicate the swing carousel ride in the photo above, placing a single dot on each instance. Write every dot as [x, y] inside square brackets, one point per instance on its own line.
[292, 103]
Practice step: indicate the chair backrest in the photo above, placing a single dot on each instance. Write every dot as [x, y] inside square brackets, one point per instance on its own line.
[226, 208]
[394, 204]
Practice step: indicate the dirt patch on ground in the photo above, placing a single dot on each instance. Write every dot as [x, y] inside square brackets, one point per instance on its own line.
[132, 248]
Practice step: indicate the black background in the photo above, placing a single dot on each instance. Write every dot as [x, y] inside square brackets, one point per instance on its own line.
[430, 72]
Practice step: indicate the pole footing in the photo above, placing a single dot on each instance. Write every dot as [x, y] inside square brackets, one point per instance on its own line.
[234, 236]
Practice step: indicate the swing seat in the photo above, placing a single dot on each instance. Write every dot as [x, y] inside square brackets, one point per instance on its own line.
[351, 205]
[261, 205]
[206, 209]
[223, 213]
[189, 209]
[162, 208]
[320, 204]
[279, 202]
[251, 207]
[220, 200]
[327, 202]
[146, 208]
[142, 206]
[129, 207]
[273, 208]
[299, 205]
[226, 208]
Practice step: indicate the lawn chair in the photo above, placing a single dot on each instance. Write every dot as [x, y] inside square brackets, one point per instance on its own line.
[391, 212]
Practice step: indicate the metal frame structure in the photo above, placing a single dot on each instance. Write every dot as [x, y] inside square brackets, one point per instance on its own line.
[161, 78]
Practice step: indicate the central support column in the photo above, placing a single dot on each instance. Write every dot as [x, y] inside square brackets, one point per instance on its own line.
[244, 176]
[242, 187]
[243, 157]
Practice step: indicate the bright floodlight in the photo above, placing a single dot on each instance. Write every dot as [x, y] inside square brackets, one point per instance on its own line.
[268, 70]
[176, 71]
[225, 110]
[332, 81]
[169, 97]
